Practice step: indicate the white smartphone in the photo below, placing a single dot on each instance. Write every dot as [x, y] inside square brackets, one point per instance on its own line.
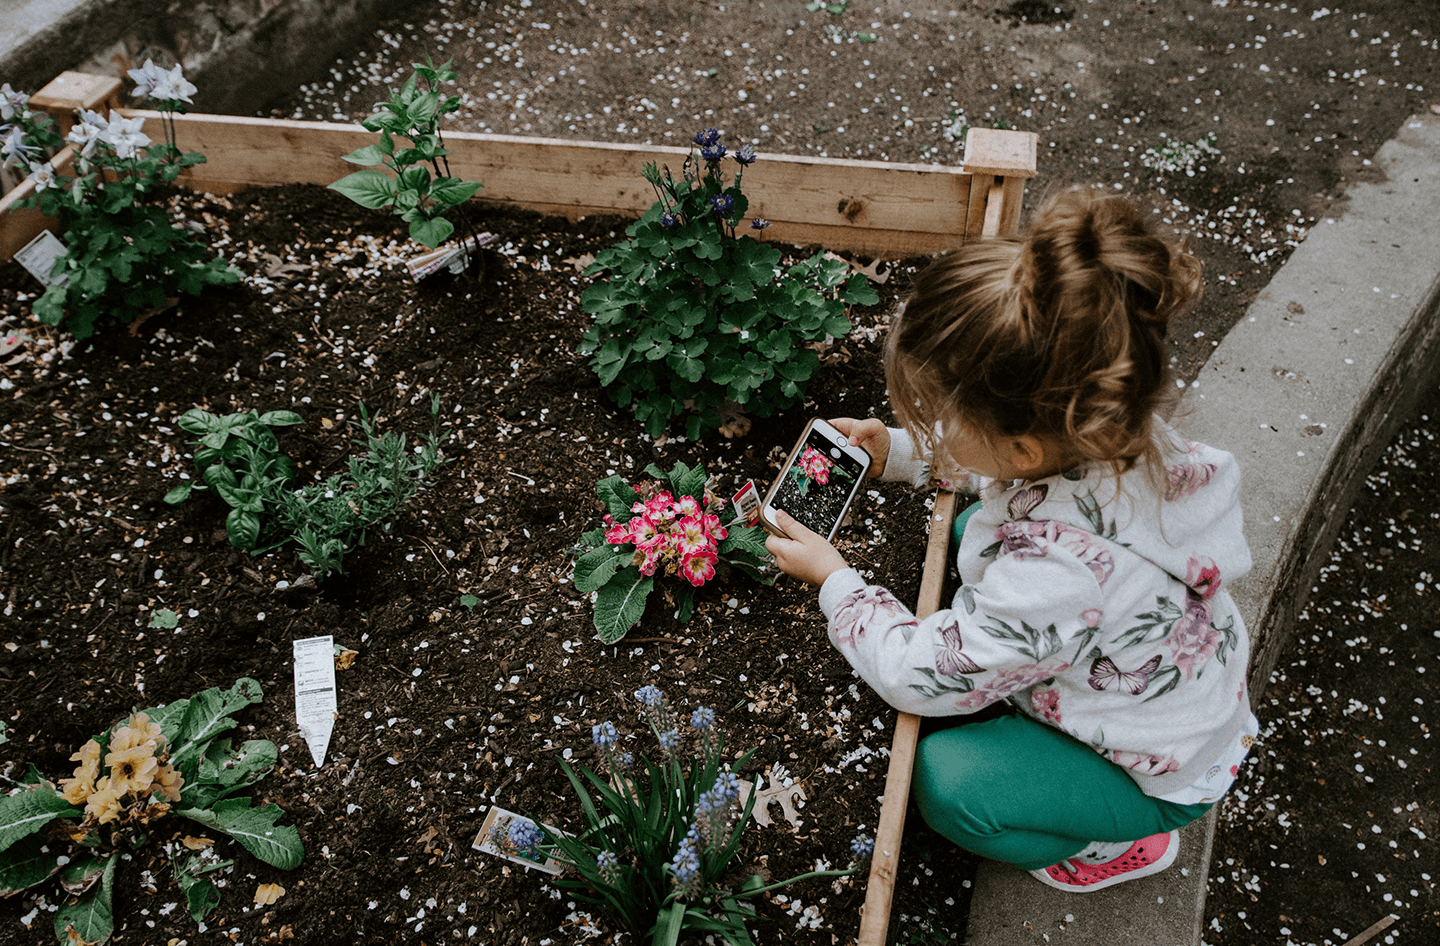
[819, 480]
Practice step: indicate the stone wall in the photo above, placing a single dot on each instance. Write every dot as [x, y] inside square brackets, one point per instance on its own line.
[241, 54]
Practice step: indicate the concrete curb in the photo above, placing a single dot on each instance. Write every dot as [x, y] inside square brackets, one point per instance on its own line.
[1306, 391]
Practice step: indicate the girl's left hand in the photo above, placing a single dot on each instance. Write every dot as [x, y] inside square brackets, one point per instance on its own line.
[805, 555]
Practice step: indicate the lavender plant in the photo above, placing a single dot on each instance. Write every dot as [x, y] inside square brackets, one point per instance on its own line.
[692, 315]
[660, 837]
[125, 257]
[419, 195]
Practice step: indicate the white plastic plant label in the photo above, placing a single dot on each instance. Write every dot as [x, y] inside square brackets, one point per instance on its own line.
[503, 834]
[39, 256]
[315, 701]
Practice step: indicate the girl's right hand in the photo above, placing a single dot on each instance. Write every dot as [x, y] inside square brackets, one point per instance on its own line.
[870, 434]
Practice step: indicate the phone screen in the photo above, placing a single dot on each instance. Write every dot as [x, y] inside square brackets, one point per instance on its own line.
[818, 485]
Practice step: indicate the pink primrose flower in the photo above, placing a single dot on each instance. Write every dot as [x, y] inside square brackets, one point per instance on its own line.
[816, 465]
[691, 536]
[687, 506]
[1194, 639]
[616, 533]
[660, 508]
[699, 568]
[642, 531]
[1203, 575]
[713, 526]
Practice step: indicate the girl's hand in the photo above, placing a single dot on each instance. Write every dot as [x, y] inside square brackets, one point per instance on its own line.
[869, 434]
[805, 555]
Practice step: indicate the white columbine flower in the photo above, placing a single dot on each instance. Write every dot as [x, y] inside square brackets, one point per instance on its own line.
[12, 103]
[172, 87]
[124, 135]
[14, 149]
[146, 78]
[43, 175]
[88, 132]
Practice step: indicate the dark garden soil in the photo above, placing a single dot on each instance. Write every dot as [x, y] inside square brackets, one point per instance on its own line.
[448, 709]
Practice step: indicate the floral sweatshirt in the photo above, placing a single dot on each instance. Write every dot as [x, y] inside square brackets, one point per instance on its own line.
[1094, 609]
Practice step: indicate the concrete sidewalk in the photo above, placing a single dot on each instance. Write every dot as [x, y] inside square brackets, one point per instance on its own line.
[1306, 391]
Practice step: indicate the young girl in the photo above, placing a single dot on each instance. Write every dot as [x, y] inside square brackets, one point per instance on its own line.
[1092, 569]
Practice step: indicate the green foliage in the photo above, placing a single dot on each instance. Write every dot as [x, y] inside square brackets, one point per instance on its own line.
[124, 255]
[660, 837]
[651, 530]
[419, 195]
[240, 459]
[198, 773]
[690, 316]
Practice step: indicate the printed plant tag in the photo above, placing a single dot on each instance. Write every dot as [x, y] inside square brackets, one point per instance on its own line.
[747, 503]
[453, 258]
[39, 256]
[494, 838]
[315, 701]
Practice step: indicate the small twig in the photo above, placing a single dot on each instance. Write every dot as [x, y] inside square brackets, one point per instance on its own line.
[1374, 930]
[528, 480]
[432, 554]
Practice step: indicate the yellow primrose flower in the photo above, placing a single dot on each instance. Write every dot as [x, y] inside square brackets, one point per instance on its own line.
[104, 802]
[138, 731]
[77, 789]
[132, 770]
[169, 781]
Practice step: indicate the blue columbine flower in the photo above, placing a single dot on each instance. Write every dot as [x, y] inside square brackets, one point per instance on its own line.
[863, 846]
[650, 695]
[713, 152]
[707, 137]
[759, 223]
[745, 155]
[669, 219]
[722, 203]
[703, 718]
[526, 837]
[604, 734]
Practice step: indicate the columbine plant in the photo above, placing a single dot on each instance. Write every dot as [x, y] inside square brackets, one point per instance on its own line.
[692, 316]
[660, 837]
[156, 763]
[240, 459]
[667, 526]
[419, 195]
[125, 257]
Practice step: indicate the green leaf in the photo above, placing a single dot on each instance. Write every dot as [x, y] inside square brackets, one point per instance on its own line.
[180, 493]
[80, 874]
[255, 829]
[370, 155]
[201, 896]
[620, 604]
[617, 495]
[224, 771]
[91, 918]
[281, 418]
[451, 191]
[750, 539]
[243, 527]
[23, 814]
[597, 566]
[669, 924]
[367, 188]
[25, 864]
[206, 716]
[431, 232]
[164, 618]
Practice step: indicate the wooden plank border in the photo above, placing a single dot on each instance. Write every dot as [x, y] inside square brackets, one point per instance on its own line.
[869, 208]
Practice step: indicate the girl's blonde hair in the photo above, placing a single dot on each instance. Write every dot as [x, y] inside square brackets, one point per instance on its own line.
[1059, 333]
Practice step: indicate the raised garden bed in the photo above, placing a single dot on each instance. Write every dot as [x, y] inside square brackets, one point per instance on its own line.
[477, 665]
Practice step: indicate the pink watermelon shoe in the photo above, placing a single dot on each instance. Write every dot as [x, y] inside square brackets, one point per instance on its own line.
[1105, 864]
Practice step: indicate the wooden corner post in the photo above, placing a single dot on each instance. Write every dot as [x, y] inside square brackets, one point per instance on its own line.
[999, 164]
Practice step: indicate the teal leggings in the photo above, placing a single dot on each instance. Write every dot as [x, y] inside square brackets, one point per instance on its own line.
[1016, 790]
